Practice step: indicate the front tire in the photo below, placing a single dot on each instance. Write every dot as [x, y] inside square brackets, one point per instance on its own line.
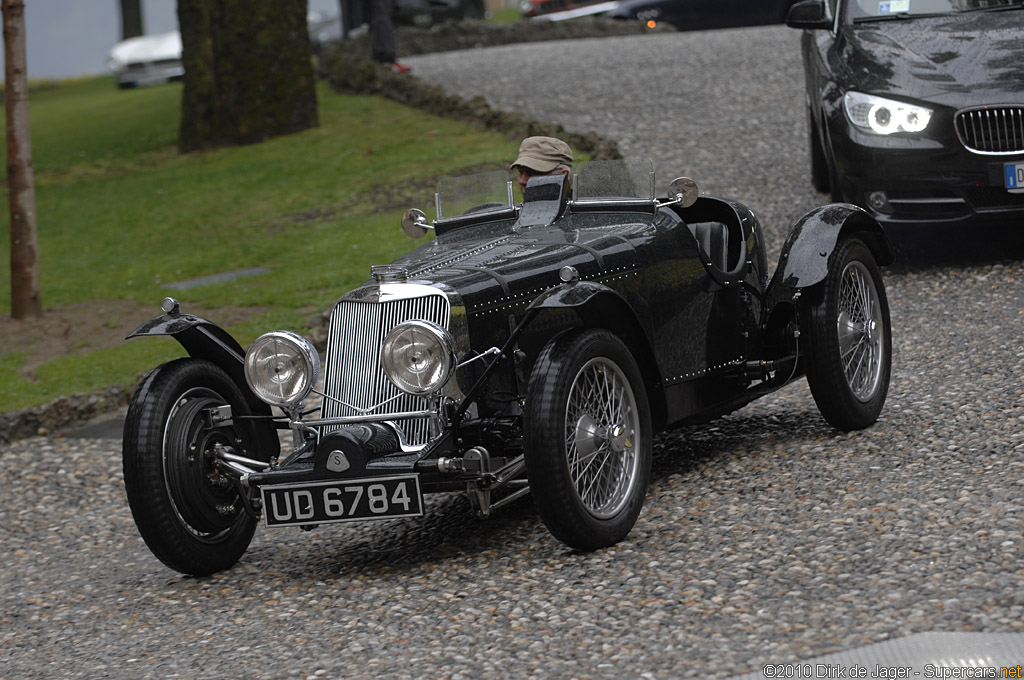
[588, 439]
[190, 515]
[849, 356]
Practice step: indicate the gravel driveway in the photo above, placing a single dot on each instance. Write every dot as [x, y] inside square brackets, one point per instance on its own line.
[767, 536]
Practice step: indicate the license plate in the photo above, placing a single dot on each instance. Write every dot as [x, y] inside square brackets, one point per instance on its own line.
[1014, 174]
[342, 500]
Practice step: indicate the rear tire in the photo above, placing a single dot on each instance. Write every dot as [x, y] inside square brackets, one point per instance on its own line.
[849, 353]
[190, 515]
[588, 439]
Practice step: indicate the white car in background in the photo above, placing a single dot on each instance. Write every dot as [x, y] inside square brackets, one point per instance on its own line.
[147, 60]
[154, 59]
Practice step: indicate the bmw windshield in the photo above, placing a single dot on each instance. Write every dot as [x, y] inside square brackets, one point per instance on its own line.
[858, 11]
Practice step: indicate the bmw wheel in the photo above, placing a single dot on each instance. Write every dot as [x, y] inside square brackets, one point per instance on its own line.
[588, 439]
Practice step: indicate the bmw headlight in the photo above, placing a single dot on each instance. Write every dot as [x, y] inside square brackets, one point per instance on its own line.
[418, 356]
[282, 368]
[882, 116]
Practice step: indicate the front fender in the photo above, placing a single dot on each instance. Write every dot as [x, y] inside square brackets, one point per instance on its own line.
[570, 295]
[598, 306]
[204, 339]
[804, 258]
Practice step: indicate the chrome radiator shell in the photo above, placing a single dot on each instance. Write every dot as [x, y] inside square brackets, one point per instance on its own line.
[354, 379]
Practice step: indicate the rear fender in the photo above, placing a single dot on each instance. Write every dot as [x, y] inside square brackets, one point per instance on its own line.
[204, 339]
[804, 259]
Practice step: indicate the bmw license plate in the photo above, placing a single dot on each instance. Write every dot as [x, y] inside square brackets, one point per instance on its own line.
[1014, 175]
[342, 500]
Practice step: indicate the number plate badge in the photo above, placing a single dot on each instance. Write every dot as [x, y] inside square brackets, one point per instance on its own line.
[342, 500]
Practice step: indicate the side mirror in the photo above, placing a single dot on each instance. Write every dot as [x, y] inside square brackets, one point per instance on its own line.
[683, 191]
[414, 223]
[809, 14]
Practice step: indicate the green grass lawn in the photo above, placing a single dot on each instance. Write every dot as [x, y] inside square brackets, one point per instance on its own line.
[121, 214]
[506, 15]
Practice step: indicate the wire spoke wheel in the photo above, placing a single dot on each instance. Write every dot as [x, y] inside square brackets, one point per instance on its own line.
[601, 430]
[859, 324]
[587, 438]
[849, 353]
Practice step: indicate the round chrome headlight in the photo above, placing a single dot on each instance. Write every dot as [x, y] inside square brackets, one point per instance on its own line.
[281, 368]
[418, 356]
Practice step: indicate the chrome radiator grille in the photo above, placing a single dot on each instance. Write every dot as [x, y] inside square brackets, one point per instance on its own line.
[993, 129]
[354, 374]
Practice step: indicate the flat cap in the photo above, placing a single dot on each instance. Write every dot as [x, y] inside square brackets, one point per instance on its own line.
[543, 154]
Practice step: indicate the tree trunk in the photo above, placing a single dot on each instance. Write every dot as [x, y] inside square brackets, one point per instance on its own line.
[248, 72]
[131, 19]
[25, 297]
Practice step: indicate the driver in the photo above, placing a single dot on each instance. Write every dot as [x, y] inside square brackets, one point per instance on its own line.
[541, 156]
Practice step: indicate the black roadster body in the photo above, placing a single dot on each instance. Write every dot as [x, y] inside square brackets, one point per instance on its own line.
[533, 347]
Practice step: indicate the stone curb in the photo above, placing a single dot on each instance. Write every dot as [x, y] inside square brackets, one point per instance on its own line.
[471, 34]
[61, 412]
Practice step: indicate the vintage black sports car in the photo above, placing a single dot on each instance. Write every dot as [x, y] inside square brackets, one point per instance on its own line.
[916, 107]
[532, 347]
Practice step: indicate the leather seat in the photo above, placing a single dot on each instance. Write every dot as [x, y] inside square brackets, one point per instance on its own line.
[721, 251]
[714, 240]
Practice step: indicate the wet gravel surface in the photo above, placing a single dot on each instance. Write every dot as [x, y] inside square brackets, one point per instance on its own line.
[766, 537]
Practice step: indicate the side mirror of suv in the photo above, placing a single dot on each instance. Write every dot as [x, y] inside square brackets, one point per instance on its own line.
[809, 14]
